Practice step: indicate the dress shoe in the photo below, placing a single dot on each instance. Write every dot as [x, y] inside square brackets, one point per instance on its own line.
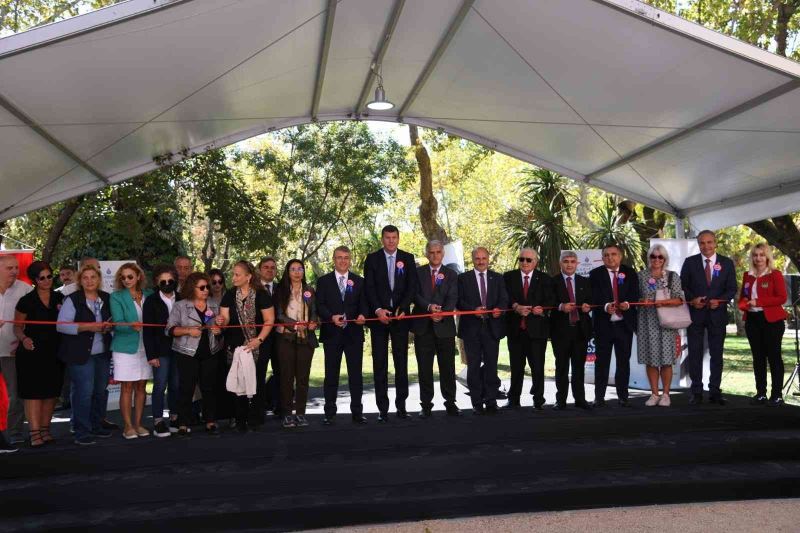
[425, 413]
[538, 406]
[492, 409]
[559, 406]
[624, 403]
[478, 410]
[777, 401]
[452, 410]
[717, 399]
[586, 406]
[402, 413]
[758, 400]
[511, 405]
[383, 418]
[599, 404]
[328, 420]
[359, 419]
[105, 424]
[502, 395]
[696, 399]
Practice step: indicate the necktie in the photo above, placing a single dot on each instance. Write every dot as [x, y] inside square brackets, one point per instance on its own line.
[573, 315]
[341, 286]
[708, 272]
[391, 272]
[433, 280]
[523, 324]
[615, 291]
[483, 289]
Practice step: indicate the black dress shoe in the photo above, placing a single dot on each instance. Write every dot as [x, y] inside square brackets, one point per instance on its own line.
[512, 405]
[425, 413]
[624, 403]
[328, 420]
[559, 406]
[478, 410]
[105, 424]
[538, 407]
[696, 399]
[452, 410]
[383, 418]
[502, 395]
[586, 406]
[359, 419]
[599, 404]
[717, 399]
[492, 409]
[402, 413]
[758, 400]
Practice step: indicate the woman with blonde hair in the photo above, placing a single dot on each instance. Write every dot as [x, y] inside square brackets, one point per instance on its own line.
[657, 346]
[131, 368]
[761, 300]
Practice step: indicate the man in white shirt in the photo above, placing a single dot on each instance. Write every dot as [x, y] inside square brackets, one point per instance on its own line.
[11, 290]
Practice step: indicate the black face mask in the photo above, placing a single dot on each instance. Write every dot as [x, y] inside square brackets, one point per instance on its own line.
[168, 287]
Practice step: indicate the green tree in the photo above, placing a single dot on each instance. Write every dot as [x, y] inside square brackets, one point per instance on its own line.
[608, 228]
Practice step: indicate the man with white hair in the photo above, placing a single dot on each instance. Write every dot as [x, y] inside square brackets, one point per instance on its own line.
[11, 290]
[529, 292]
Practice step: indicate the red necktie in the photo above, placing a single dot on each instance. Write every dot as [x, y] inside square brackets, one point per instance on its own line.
[523, 323]
[573, 315]
[615, 291]
[433, 280]
[708, 272]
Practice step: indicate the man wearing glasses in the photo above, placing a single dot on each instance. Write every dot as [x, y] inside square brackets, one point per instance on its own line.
[529, 292]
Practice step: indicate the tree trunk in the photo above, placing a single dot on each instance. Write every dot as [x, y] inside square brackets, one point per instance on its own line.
[59, 226]
[782, 233]
[2, 227]
[584, 206]
[428, 206]
[784, 10]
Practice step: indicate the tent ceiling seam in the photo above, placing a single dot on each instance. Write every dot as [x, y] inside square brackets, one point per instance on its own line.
[323, 57]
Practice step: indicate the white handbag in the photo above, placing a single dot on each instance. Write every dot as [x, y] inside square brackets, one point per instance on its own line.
[676, 317]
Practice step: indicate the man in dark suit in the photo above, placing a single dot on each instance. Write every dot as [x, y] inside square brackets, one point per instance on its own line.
[709, 282]
[529, 292]
[340, 297]
[482, 289]
[437, 291]
[391, 283]
[614, 286]
[571, 329]
[268, 270]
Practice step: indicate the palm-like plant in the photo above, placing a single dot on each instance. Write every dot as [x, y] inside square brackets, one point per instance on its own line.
[607, 230]
[538, 222]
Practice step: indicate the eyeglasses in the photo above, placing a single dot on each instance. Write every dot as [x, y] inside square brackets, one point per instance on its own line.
[297, 269]
[129, 277]
[45, 277]
[201, 287]
[217, 282]
[654, 256]
[525, 259]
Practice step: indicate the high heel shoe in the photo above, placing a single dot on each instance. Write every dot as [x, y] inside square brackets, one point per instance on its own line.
[46, 436]
[36, 438]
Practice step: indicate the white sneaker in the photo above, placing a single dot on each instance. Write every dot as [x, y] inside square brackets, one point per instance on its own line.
[664, 401]
[654, 398]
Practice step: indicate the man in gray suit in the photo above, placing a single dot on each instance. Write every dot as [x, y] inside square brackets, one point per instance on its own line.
[437, 290]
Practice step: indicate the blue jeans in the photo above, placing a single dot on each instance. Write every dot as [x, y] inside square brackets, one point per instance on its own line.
[89, 394]
[165, 377]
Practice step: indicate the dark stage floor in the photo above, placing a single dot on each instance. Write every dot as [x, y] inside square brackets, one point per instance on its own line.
[443, 467]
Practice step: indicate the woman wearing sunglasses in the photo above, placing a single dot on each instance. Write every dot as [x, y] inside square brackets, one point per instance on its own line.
[158, 347]
[84, 347]
[131, 368]
[295, 302]
[218, 286]
[197, 343]
[658, 346]
[40, 374]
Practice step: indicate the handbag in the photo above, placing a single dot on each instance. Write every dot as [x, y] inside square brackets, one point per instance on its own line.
[676, 317]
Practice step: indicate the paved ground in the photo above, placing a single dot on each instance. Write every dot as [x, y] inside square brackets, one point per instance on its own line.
[731, 517]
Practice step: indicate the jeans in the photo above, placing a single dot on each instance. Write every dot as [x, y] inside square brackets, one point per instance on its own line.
[89, 395]
[165, 378]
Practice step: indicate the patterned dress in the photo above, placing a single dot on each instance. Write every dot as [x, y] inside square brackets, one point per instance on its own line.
[657, 346]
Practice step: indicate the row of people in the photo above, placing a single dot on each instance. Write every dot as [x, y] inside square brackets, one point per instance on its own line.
[526, 306]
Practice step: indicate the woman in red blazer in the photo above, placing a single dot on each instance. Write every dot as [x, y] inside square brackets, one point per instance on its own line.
[761, 301]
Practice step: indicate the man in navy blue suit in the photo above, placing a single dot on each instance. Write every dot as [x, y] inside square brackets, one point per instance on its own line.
[340, 297]
[614, 286]
[482, 289]
[709, 283]
[390, 276]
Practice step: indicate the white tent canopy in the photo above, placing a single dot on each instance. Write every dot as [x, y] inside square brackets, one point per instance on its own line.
[610, 92]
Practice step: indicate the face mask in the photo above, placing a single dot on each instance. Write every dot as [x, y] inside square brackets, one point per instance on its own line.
[168, 287]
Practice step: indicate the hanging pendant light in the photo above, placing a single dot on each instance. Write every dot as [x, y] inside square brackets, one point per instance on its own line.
[380, 103]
